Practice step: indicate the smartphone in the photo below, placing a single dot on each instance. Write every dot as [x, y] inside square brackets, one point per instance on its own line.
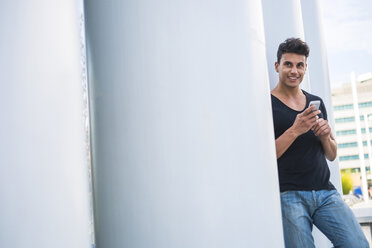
[316, 103]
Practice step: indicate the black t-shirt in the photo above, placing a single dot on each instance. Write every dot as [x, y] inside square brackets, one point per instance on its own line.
[303, 165]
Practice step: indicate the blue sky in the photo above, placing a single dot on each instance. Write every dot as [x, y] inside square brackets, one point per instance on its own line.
[348, 35]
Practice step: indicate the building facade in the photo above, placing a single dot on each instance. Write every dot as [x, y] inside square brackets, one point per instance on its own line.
[346, 127]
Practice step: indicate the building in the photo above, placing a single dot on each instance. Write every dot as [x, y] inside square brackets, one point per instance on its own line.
[346, 126]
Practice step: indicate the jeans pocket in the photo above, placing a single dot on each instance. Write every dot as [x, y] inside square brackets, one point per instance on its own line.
[284, 193]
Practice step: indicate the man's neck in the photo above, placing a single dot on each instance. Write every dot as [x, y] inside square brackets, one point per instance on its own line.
[287, 92]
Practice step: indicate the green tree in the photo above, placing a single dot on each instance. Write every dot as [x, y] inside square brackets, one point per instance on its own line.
[347, 183]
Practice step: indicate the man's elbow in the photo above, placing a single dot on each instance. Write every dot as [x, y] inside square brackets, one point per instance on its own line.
[332, 157]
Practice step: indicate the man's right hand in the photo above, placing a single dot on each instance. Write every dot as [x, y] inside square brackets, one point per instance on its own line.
[305, 121]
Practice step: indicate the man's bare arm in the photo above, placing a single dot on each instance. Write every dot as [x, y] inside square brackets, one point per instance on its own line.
[284, 141]
[323, 131]
[330, 148]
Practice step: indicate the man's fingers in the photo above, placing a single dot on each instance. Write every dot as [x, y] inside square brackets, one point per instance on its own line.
[319, 125]
[325, 129]
[309, 119]
[316, 112]
[313, 114]
[320, 122]
[324, 132]
[319, 131]
[308, 110]
[312, 119]
[316, 128]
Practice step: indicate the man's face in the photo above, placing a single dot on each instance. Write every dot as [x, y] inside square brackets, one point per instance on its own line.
[291, 69]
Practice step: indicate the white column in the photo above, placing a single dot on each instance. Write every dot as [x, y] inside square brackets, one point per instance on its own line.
[282, 19]
[367, 118]
[318, 64]
[360, 139]
[184, 152]
[320, 84]
[44, 187]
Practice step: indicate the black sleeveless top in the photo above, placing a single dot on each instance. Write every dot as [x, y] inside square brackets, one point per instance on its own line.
[303, 165]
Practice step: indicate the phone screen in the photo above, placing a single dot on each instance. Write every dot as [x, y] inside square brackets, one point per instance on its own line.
[316, 103]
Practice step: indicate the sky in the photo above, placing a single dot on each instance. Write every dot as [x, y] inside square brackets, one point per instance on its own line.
[348, 36]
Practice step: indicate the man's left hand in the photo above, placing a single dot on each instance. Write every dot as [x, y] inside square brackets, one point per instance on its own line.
[322, 129]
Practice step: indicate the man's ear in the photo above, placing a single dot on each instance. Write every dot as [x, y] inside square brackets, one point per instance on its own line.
[276, 66]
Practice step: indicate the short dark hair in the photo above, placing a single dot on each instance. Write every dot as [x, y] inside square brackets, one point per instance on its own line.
[293, 45]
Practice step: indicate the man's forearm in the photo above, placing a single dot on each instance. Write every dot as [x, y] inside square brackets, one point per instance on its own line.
[329, 147]
[284, 142]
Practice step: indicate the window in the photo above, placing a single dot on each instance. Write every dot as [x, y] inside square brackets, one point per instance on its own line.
[351, 144]
[352, 157]
[351, 106]
[346, 145]
[343, 107]
[346, 119]
[345, 132]
[351, 131]
[365, 104]
[364, 130]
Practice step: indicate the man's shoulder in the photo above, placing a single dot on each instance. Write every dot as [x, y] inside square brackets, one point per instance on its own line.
[311, 97]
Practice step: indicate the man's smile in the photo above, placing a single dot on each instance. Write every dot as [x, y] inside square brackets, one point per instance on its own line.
[293, 78]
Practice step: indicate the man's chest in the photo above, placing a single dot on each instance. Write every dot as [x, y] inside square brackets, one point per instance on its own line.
[283, 119]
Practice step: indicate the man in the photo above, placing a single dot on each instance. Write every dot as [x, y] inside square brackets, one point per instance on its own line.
[304, 141]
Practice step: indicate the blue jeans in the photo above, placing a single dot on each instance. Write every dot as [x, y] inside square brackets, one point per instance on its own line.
[327, 211]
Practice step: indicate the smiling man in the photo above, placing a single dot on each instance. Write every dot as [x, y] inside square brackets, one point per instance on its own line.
[304, 141]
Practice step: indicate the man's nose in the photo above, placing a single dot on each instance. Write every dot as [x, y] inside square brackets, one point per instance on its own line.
[294, 69]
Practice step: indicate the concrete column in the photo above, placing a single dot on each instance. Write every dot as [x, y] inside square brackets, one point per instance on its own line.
[282, 20]
[360, 138]
[44, 186]
[318, 65]
[183, 142]
[320, 84]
